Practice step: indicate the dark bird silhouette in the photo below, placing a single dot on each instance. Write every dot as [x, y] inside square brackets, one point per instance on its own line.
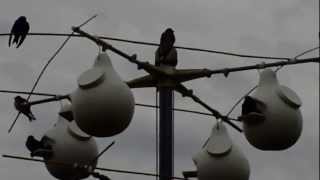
[19, 30]
[249, 105]
[32, 144]
[23, 106]
[166, 44]
[39, 148]
[252, 111]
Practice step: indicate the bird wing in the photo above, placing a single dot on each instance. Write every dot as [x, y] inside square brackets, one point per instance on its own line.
[24, 33]
[32, 144]
[13, 31]
[10, 37]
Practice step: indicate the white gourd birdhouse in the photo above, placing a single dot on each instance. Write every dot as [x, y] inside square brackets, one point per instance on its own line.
[103, 105]
[221, 159]
[271, 116]
[71, 148]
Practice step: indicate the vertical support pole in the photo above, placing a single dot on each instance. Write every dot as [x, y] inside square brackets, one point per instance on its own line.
[166, 133]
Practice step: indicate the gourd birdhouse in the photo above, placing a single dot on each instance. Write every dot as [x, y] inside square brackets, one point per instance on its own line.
[271, 116]
[71, 148]
[103, 105]
[221, 159]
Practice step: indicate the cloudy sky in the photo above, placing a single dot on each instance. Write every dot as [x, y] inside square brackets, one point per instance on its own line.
[270, 28]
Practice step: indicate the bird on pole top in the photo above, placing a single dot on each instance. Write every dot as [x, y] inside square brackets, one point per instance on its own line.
[166, 54]
[19, 30]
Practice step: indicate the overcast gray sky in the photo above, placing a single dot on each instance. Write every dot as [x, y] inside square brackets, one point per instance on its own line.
[269, 28]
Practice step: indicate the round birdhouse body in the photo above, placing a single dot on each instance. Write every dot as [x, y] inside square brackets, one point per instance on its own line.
[231, 166]
[103, 105]
[71, 148]
[282, 120]
[221, 159]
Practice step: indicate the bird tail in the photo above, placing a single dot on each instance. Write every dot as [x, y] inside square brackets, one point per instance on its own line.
[10, 38]
[31, 117]
[16, 39]
[23, 37]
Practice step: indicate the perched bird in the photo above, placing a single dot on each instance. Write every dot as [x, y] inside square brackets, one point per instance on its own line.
[19, 30]
[32, 144]
[249, 105]
[166, 44]
[38, 148]
[22, 106]
[252, 111]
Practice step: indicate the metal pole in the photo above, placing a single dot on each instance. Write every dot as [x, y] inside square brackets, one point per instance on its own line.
[166, 133]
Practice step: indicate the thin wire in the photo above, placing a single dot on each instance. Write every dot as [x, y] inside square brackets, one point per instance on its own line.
[97, 168]
[102, 152]
[23, 92]
[181, 110]
[173, 127]
[137, 104]
[305, 52]
[157, 135]
[87, 21]
[39, 77]
[299, 55]
[137, 173]
[45, 67]
[239, 101]
[155, 44]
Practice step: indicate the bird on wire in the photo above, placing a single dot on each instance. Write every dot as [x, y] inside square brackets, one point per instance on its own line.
[19, 30]
[23, 106]
[166, 44]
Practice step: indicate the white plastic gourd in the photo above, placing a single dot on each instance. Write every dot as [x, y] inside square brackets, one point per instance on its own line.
[103, 105]
[71, 148]
[220, 158]
[278, 124]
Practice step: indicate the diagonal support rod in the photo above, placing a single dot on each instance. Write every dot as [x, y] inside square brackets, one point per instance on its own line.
[102, 152]
[133, 59]
[186, 92]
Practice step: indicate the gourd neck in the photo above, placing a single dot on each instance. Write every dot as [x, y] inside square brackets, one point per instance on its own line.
[102, 60]
[268, 77]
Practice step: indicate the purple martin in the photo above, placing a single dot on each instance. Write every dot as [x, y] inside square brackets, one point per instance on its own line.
[39, 148]
[19, 30]
[23, 106]
[166, 44]
[249, 105]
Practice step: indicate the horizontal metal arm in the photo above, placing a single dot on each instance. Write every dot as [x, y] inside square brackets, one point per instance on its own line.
[264, 65]
[200, 73]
